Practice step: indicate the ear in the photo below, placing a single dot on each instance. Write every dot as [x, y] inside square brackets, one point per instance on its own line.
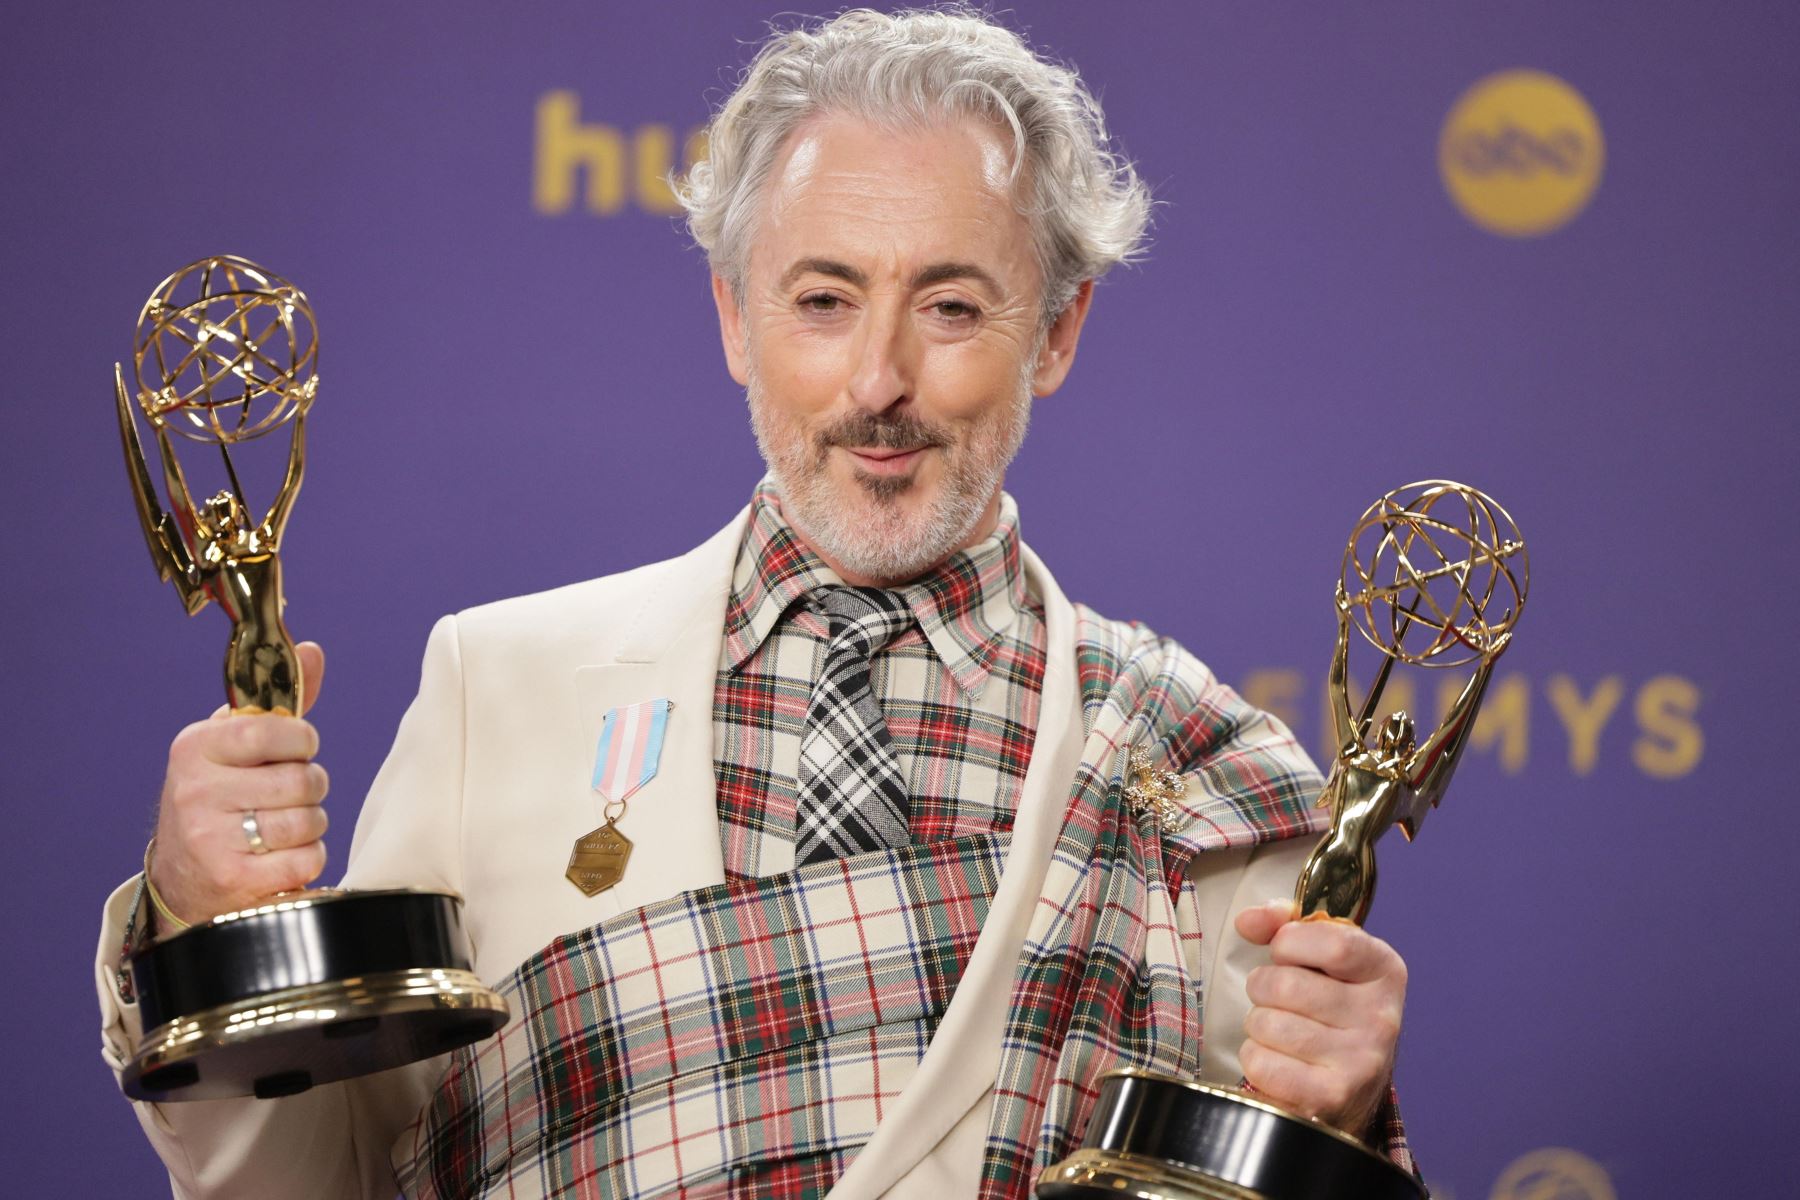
[731, 329]
[1058, 354]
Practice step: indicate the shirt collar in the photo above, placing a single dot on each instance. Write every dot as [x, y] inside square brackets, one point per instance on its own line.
[964, 607]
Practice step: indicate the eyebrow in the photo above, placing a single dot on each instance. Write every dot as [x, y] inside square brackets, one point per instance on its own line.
[923, 277]
[944, 272]
[824, 266]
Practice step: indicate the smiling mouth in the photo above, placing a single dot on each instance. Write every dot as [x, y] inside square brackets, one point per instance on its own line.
[885, 460]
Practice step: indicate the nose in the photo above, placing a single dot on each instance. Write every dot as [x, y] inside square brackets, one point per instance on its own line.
[883, 371]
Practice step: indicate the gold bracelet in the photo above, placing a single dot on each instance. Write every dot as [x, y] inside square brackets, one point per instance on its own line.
[176, 924]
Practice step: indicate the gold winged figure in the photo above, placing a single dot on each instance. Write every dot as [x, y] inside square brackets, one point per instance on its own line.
[228, 364]
[1383, 774]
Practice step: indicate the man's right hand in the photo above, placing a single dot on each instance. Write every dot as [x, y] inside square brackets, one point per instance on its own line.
[219, 770]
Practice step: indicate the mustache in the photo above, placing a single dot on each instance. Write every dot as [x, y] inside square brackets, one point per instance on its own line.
[899, 432]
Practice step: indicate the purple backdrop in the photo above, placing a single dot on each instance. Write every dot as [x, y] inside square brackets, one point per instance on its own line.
[514, 398]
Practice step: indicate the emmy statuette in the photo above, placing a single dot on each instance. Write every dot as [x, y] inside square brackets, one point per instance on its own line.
[315, 985]
[1434, 575]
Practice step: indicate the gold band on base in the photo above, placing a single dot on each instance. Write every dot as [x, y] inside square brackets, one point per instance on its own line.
[267, 1046]
[1118, 1173]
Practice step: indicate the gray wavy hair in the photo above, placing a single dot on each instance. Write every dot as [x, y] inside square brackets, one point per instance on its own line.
[1086, 206]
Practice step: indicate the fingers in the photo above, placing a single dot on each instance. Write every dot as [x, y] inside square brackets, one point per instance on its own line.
[1302, 991]
[1372, 1008]
[219, 770]
[312, 673]
[1341, 949]
[219, 874]
[1338, 948]
[1259, 925]
[252, 878]
[1307, 1088]
[213, 837]
[1319, 1046]
[1300, 1038]
[245, 740]
[1321, 1033]
[288, 828]
[290, 870]
[272, 786]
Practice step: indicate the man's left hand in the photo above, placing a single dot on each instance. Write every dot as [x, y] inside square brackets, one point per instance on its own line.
[1320, 1037]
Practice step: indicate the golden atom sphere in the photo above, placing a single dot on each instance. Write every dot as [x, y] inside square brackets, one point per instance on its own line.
[1435, 574]
[226, 351]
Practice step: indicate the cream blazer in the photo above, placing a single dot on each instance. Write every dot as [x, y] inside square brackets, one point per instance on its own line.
[488, 786]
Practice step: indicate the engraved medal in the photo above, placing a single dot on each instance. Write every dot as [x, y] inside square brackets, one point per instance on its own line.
[599, 859]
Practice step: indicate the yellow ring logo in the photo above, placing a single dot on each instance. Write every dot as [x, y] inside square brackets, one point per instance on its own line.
[1521, 153]
[1554, 1174]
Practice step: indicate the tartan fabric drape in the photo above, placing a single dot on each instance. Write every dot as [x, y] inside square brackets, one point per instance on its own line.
[1106, 977]
[716, 1044]
[743, 1040]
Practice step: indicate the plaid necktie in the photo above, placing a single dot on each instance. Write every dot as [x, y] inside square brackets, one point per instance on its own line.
[851, 796]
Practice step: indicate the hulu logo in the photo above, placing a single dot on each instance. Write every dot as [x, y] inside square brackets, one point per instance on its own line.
[606, 167]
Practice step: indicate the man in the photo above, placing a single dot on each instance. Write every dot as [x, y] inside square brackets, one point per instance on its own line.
[892, 903]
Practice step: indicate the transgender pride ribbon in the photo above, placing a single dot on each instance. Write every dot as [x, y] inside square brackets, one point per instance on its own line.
[631, 741]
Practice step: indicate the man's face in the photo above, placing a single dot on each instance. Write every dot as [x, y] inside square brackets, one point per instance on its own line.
[890, 339]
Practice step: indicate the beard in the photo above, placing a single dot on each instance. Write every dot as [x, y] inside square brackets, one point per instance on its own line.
[865, 526]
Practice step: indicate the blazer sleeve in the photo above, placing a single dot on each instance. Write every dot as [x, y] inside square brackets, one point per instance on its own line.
[1225, 883]
[333, 1140]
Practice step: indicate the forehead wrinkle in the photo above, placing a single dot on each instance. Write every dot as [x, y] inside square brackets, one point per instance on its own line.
[860, 195]
[801, 166]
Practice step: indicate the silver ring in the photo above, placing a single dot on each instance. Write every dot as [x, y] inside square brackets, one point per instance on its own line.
[253, 833]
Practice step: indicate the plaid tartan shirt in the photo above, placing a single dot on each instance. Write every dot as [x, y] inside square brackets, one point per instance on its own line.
[959, 689]
[744, 1040]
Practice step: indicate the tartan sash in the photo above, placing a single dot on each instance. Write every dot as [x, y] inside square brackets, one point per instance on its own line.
[1106, 974]
[711, 1034]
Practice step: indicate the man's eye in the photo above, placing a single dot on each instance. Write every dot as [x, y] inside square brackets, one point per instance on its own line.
[955, 310]
[819, 302]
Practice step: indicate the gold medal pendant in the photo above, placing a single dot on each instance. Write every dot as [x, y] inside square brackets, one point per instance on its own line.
[598, 861]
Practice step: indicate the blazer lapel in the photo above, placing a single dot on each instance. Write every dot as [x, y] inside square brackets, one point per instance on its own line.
[668, 649]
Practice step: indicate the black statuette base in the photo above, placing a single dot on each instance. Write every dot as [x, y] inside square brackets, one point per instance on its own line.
[1156, 1138]
[306, 990]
